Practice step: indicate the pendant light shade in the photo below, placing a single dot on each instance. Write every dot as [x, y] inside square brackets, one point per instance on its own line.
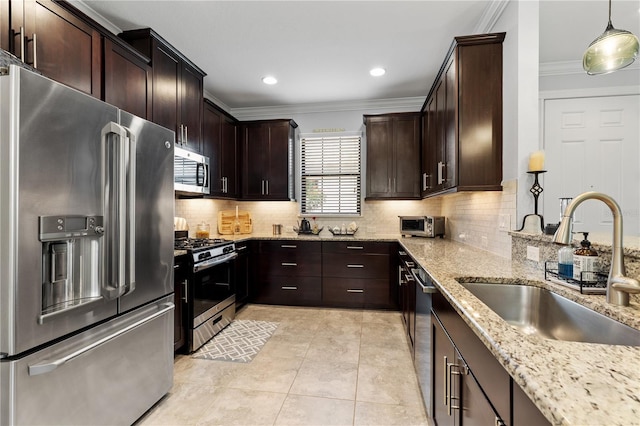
[611, 51]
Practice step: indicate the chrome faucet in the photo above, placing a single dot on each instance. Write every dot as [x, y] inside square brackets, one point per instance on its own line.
[618, 285]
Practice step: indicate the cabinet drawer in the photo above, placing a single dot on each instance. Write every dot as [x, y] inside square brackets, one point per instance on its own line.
[355, 292]
[290, 290]
[355, 265]
[289, 246]
[362, 247]
[292, 264]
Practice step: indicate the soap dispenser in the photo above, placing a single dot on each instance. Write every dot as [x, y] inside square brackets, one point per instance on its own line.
[565, 262]
[585, 261]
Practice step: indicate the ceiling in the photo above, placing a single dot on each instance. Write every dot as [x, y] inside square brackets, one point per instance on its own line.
[321, 51]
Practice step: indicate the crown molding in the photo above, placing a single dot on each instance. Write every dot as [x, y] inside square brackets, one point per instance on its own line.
[573, 67]
[88, 10]
[491, 14]
[404, 104]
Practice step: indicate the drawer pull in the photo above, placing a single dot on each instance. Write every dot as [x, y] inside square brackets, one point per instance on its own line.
[355, 247]
[355, 290]
[241, 248]
[288, 246]
[289, 287]
[355, 266]
[289, 264]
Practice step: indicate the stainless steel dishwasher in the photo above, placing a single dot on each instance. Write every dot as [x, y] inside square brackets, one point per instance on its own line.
[422, 342]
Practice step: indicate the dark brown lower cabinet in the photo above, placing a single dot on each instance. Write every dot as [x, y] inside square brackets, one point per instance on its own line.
[179, 297]
[359, 274]
[469, 385]
[288, 272]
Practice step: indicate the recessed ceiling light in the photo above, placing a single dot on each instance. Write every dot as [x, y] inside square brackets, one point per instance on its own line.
[269, 80]
[377, 72]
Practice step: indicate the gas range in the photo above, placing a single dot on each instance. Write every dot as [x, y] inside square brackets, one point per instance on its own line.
[205, 253]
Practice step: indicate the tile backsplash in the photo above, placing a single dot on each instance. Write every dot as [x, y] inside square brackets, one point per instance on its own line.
[473, 218]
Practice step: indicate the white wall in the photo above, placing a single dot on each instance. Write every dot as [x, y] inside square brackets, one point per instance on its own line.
[520, 96]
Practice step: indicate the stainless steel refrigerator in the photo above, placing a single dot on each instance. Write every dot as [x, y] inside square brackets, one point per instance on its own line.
[86, 257]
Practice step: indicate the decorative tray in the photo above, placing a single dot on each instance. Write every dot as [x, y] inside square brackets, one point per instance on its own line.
[295, 228]
[598, 287]
[347, 233]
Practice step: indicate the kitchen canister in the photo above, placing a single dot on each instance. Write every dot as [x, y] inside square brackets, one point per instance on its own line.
[277, 229]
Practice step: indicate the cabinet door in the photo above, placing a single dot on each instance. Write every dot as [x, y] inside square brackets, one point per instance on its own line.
[191, 107]
[242, 274]
[166, 90]
[278, 173]
[444, 356]
[212, 147]
[406, 150]
[476, 408]
[379, 154]
[5, 20]
[127, 80]
[451, 126]
[60, 45]
[180, 287]
[255, 148]
[229, 156]
[429, 135]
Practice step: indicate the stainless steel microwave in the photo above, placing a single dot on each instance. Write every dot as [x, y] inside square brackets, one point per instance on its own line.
[422, 226]
[191, 172]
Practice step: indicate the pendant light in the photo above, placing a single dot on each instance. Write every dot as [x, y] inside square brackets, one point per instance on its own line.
[613, 50]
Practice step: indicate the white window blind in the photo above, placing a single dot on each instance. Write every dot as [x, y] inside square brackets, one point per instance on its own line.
[331, 175]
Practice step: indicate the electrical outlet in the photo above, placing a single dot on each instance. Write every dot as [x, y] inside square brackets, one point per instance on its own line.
[533, 253]
[504, 222]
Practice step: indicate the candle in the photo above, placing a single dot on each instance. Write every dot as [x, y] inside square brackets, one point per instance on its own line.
[536, 161]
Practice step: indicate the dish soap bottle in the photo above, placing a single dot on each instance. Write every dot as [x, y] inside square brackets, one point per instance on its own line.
[585, 261]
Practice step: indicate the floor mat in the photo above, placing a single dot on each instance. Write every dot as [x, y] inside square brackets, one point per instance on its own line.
[240, 341]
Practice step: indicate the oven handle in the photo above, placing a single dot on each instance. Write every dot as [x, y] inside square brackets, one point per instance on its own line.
[214, 262]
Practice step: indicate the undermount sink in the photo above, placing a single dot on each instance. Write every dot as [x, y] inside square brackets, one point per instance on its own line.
[538, 311]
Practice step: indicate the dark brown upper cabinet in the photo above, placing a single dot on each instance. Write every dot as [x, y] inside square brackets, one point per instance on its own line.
[220, 136]
[393, 156]
[177, 99]
[268, 158]
[50, 37]
[127, 78]
[462, 119]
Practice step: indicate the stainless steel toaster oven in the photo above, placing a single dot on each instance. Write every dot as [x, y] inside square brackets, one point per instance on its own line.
[422, 226]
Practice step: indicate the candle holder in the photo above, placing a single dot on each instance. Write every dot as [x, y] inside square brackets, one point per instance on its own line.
[534, 221]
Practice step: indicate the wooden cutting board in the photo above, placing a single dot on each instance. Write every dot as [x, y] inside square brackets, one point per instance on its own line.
[226, 219]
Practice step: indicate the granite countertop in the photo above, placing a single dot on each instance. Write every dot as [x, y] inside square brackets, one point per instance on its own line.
[572, 383]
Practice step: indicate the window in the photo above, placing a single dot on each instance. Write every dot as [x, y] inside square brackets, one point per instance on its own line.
[330, 175]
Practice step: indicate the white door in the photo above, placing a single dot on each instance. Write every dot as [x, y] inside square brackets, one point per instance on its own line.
[592, 144]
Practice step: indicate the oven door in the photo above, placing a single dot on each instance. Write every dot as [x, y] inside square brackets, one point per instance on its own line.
[211, 300]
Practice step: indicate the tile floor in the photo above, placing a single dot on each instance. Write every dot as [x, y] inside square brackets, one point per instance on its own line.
[320, 367]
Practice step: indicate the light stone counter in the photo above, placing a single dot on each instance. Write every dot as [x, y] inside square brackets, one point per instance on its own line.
[571, 383]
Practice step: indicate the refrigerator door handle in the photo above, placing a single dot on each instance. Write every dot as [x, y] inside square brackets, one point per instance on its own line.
[131, 210]
[49, 366]
[115, 159]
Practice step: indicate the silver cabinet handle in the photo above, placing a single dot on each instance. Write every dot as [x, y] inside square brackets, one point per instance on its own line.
[262, 187]
[35, 51]
[241, 248]
[267, 181]
[49, 366]
[441, 178]
[355, 248]
[355, 266]
[289, 287]
[355, 290]
[185, 298]
[22, 42]
[289, 264]
[424, 181]
[288, 246]
[186, 135]
[410, 264]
